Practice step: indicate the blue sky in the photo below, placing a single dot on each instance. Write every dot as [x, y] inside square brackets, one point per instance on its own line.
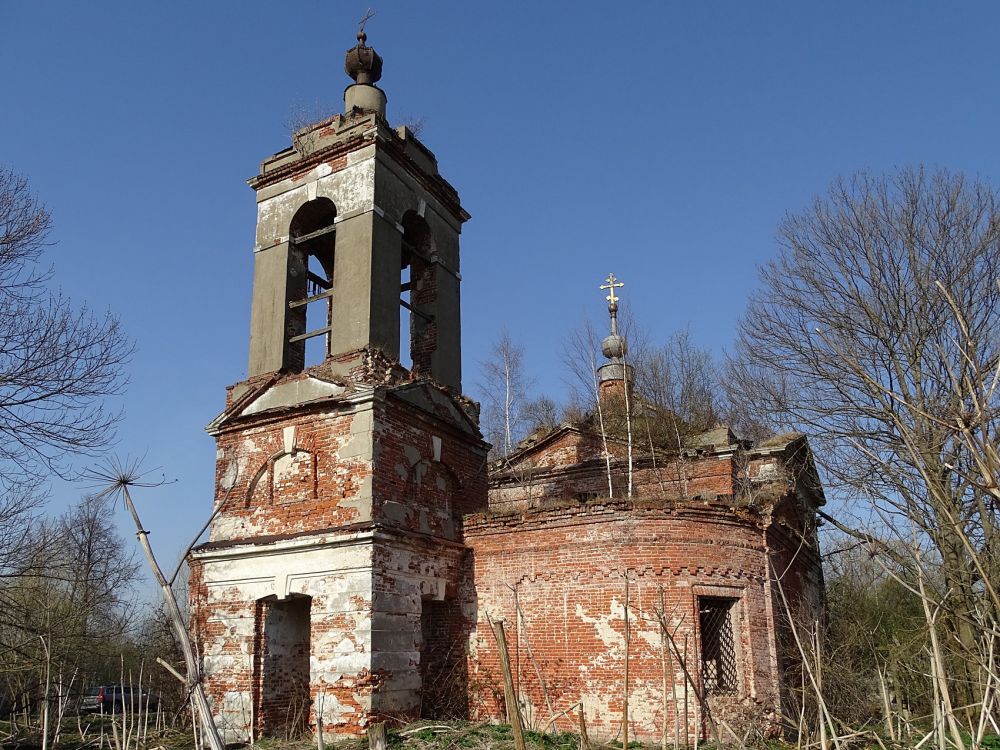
[660, 141]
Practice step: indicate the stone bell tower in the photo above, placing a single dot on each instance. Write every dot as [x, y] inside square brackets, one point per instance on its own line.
[334, 585]
[355, 221]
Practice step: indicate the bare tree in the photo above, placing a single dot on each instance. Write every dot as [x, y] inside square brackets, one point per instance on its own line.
[65, 616]
[19, 503]
[875, 641]
[504, 388]
[681, 378]
[541, 413]
[874, 330]
[57, 360]
[579, 353]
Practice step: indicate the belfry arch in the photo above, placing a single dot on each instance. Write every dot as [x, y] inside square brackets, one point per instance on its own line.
[418, 291]
[312, 240]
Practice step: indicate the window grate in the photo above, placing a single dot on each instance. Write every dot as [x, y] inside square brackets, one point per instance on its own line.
[718, 649]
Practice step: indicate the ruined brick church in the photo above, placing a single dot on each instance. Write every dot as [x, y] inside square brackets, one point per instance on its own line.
[361, 540]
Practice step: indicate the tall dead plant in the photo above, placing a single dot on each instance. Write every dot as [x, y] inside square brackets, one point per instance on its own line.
[117, 479]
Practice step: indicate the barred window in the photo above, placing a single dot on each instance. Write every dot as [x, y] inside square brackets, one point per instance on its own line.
[718, 647]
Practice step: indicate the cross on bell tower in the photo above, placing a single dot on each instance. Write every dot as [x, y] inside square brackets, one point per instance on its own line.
[354, 222]
[616, 374]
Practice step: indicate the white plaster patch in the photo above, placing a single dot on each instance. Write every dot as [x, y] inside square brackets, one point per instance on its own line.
[767, 471]
[346, 646]
[291, 394]
[275, 213]
[644, 706]
[602, 624]
[230, 475]
[287, 466]
[358, 446]
[363, 422]
[361, 155]
[651, 637]
[352, 189]
[362, 500]
[412, 454]
[433, 588]
[337, 576]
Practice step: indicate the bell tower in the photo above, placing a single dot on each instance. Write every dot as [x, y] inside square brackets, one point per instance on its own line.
[347, 459]
[354, 222]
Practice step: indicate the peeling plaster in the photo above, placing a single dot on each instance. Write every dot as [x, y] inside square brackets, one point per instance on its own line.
[296, 392]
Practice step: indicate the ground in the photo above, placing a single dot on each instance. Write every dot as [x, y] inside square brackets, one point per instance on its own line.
[424, 735]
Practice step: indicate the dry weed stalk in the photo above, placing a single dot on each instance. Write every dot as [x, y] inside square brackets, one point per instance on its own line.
[531, 656]
[513, 708]
[117, 478]
[625, 685]
[604, 432]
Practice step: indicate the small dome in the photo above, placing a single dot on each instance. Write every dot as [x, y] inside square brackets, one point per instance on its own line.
[614, 347]
[363, 63]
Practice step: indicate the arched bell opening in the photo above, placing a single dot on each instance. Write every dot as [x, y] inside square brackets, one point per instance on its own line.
[417, 293]
[312, 239]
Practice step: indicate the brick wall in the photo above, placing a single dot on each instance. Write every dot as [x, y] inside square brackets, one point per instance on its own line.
[423, 333]
[231, 591]
[353, 506]
[428, 474]
[373, 510]
[302, 472]
[572, 467]
[281, 665]
[566, 569]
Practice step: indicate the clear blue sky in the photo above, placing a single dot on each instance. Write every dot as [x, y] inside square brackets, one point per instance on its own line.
[661, 141]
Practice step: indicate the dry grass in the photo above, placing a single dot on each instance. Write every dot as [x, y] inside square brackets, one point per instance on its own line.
[426, 735]
[97, 734]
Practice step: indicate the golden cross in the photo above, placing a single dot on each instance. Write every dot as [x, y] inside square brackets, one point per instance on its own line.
[612, 284]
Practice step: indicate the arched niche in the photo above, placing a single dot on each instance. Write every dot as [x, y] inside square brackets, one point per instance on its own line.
[285, 477]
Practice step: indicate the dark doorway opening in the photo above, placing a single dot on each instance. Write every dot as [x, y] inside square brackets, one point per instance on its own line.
[281, 666]
[442, 661]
